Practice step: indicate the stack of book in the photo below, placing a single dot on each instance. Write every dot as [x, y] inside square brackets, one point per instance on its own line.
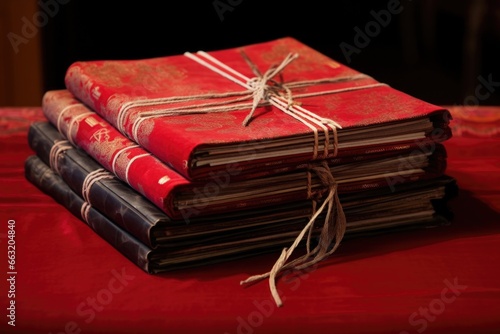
[197, 158]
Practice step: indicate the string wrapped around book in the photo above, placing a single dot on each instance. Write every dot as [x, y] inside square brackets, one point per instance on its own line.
[265, 90]
[247, 99]
[59, 147]
[55, 151]
[93, 177]
[332, 232]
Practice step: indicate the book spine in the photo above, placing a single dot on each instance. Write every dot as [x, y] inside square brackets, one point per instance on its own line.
[113, 198]
[105, 102]
[116, 153]
[47, 181]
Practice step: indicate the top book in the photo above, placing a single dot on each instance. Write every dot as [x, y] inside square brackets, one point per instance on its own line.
[276, 103]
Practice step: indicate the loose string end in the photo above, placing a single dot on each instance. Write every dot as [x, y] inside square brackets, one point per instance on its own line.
[275, 271]
[254, 279]
[333, 229]
[278, 266]
[250, 114]
[247, 119]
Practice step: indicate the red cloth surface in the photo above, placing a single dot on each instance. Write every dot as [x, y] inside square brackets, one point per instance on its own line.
[109, 86]
[441, 280]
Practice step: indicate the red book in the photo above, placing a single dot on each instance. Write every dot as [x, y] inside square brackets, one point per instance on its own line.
[193, 111]
[223, 192]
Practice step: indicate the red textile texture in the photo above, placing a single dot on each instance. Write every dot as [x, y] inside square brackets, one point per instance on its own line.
[108, 86]
[441, 280]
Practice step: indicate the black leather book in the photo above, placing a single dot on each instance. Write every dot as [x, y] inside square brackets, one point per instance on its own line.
[422, 205]
[150, 260]
[111, 196]
[376, 209]
[46, 180]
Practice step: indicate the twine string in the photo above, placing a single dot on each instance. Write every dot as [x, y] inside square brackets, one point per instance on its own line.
[265, 90]
[75, 120]
[333, 230]
[117, 154]
[57, 149]
[63, 111]
[91, 178]
[84, 211]
[262, 91]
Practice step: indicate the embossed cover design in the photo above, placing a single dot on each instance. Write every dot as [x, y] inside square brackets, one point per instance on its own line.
[373, 116]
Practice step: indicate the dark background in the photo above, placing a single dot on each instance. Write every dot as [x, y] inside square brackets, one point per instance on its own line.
[433, 49]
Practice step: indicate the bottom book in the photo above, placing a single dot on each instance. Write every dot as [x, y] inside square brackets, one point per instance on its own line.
[416, 205]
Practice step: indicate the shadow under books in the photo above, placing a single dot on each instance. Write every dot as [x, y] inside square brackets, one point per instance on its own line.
[472, 218]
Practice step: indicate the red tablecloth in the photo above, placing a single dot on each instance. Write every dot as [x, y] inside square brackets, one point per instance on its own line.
[441, 280]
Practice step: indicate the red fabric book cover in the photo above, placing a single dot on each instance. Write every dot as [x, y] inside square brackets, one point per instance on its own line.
[168, 190]
[162, 104]
[87, 130]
